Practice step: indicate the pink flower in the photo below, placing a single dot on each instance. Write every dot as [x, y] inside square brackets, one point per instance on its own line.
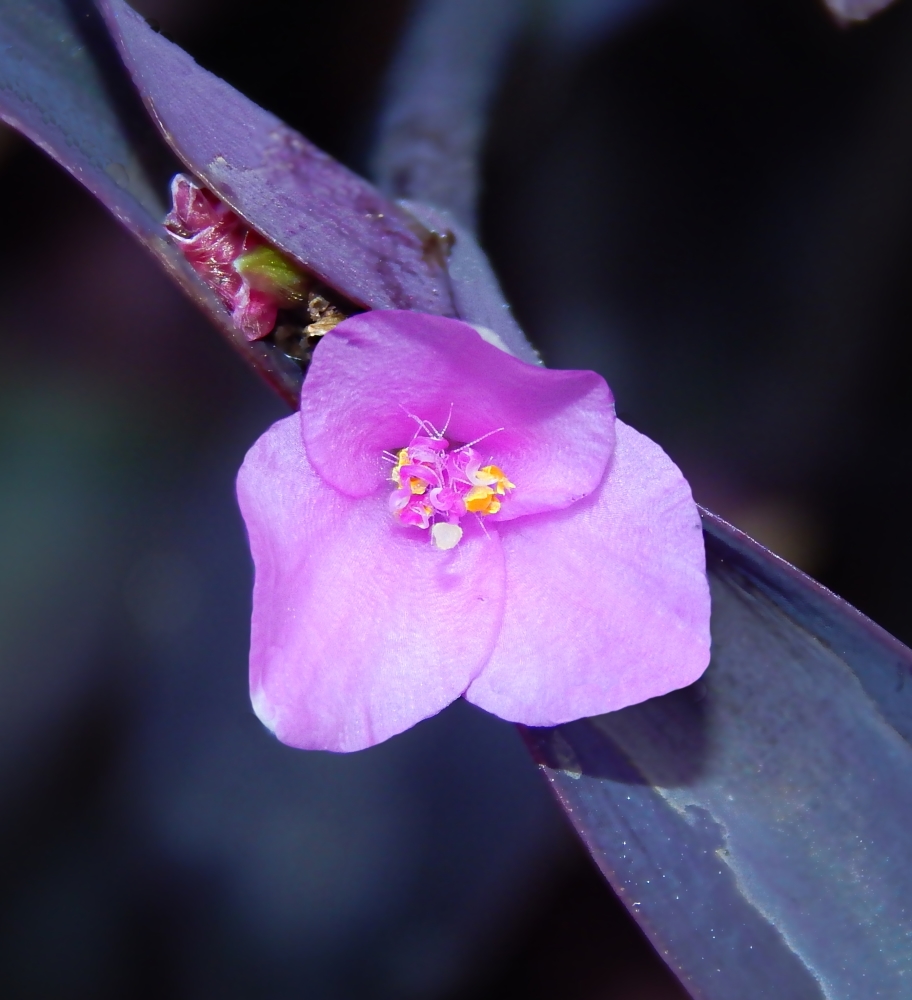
[442, 519]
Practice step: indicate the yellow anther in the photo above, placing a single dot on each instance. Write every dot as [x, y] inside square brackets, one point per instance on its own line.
[492, 475]
[402, 458]
[481, 500]
[417, 485]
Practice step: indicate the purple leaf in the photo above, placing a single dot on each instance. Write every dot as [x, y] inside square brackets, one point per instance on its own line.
[63, 86]
[856, 10]
[476, 291]
[428, 144]
[757, 823]
[324, 216]
[57, 74]
[445, 76]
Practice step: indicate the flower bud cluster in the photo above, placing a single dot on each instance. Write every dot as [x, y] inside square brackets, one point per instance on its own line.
[252, 278]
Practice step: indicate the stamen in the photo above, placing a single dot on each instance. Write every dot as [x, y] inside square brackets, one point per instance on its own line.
[437, 486]
[448, 419]
[472, 444]
[425, 425]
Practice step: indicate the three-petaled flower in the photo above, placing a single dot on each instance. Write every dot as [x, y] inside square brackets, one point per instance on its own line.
[441, 519]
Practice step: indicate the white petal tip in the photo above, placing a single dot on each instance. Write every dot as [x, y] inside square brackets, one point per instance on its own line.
[490, 337]
[263, 710]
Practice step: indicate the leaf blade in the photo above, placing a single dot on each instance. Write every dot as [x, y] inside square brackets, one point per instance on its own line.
[755, 822]
[62, 86]
[850, 11]
[331, 221]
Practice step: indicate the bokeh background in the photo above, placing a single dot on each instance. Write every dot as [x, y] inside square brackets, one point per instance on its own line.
[711, 204]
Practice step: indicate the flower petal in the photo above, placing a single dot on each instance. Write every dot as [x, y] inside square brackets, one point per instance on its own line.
[361, 628]
[607, 602]
[375, 369]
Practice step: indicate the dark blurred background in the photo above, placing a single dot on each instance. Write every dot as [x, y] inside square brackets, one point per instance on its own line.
[711, 204]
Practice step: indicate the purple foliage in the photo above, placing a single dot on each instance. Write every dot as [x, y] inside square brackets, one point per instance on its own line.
[328, 219]
[857, 10]
[804, 715]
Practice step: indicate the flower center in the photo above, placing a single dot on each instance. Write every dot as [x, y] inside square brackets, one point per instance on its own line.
[436, 486]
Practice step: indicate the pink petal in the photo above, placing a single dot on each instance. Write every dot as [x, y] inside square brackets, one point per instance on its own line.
[254, 312]
[193, 209]
[361, 628]
[373, 370]
[607, 602]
